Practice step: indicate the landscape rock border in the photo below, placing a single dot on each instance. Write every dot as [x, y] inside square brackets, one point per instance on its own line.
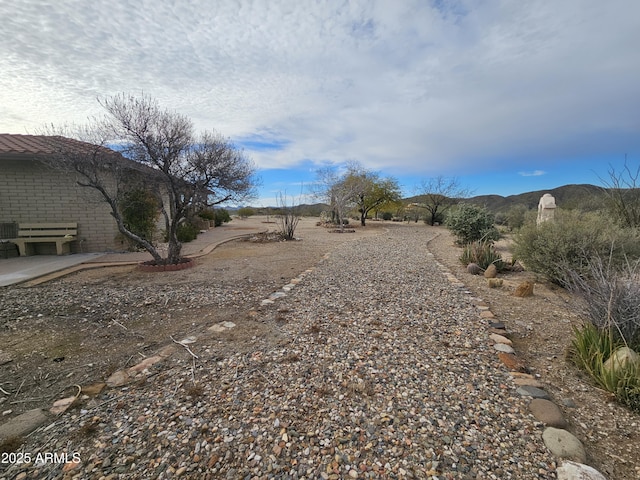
[560, 442]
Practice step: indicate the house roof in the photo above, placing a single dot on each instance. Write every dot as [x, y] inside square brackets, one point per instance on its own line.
[30, 144]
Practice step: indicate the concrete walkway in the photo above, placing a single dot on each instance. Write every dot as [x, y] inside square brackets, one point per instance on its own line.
[40, 268]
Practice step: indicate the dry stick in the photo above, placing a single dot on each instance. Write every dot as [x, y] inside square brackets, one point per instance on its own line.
[5, 392]
[187, 348]
[19, 388]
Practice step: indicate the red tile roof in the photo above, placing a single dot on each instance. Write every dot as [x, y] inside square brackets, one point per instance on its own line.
[33, 144]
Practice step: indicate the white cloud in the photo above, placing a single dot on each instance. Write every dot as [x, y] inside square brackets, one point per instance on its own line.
[447, 87]
[534, 173]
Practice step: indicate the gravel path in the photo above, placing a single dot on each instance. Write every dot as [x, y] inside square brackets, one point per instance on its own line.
[384, 370]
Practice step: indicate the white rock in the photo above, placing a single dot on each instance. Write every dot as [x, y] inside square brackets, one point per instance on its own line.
[577, 471]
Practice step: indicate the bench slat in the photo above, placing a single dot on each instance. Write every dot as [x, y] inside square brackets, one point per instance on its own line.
[45, 233]
[45, 226]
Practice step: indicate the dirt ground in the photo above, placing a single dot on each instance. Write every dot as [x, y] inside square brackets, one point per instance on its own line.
[79, 329]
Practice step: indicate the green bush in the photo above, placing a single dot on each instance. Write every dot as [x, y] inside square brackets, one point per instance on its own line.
[187, 232]
[482, 253]
[569, 243]
[140, 211]
[221, 216]
[207, 215]
[387, 216]
[245, 212]
[470, 223]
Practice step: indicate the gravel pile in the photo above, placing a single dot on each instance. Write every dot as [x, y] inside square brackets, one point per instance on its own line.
[385, 371]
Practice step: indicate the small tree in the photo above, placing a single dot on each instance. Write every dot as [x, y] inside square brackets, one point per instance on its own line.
[158, 151]
[439, 194]
[370, 191]
[340, 194]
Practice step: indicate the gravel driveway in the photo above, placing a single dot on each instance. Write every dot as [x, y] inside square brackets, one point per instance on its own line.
[383, 369]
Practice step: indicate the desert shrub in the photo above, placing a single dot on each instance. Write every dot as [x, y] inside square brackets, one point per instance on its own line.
[221, 216]
[611, 297]
[482, 253]
[187, 232]
[140, 211]
[515, 217]
[207, 214]
[387, 216]
[470, 223]
[591, 347]
[246, 212]
[568, 243]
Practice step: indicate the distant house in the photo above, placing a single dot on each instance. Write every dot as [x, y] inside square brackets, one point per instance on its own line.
[31, 191]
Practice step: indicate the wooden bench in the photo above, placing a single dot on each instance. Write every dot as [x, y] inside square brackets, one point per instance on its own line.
[58, 233]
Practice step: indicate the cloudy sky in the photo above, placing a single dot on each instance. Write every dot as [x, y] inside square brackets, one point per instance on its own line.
[508, 96]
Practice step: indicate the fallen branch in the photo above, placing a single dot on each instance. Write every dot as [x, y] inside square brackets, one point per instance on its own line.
[187, 348]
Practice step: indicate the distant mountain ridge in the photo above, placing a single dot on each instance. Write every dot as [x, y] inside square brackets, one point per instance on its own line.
[582, 196]
[567, 196]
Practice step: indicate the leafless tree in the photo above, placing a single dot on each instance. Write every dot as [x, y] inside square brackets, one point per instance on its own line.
[158, 150]
[333, 188]
[623, 195]
[288, 217]
[438, 194]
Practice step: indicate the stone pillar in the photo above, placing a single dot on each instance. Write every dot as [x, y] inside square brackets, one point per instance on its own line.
[546, 208]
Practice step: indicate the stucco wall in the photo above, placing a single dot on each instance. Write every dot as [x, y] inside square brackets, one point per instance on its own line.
[33, 192]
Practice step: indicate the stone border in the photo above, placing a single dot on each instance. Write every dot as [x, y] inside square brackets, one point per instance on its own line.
[560, 442]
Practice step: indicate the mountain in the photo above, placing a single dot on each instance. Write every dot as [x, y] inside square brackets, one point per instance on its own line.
[568, 196]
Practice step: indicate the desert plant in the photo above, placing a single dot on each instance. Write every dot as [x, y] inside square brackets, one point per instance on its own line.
[221, 216]
[612, 297]
[187, 232]
[207, 214]
[570, 242]
[288, 218]
[482, 253]
[591, 347]
[470, 223]
[246, 212]
[140, 211]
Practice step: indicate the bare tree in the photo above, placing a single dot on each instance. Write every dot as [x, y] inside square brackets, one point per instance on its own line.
[438, 194]
[288, 217]
[333, 188]
[623, 195]
[184, 171]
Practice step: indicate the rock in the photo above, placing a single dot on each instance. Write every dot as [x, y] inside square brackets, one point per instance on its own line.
[494, 282]
[532, 382]
[525, 289]
[569, 470]
[118, 379]
[563, 444]
[61, 406]
[535, 392]
[512, 362]
[23, 424]
[547, 412]
[93, 389]
[145, 364]
[623, 357]
[487, 314]
[500, 339]
[501, 347]
[491, 271]
[474, 269]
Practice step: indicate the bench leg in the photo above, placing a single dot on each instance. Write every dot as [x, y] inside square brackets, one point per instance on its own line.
[22, 248]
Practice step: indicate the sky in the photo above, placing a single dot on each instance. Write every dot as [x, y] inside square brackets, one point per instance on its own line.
[506, 96]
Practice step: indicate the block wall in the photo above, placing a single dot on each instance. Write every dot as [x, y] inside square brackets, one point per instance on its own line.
[32, 192]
